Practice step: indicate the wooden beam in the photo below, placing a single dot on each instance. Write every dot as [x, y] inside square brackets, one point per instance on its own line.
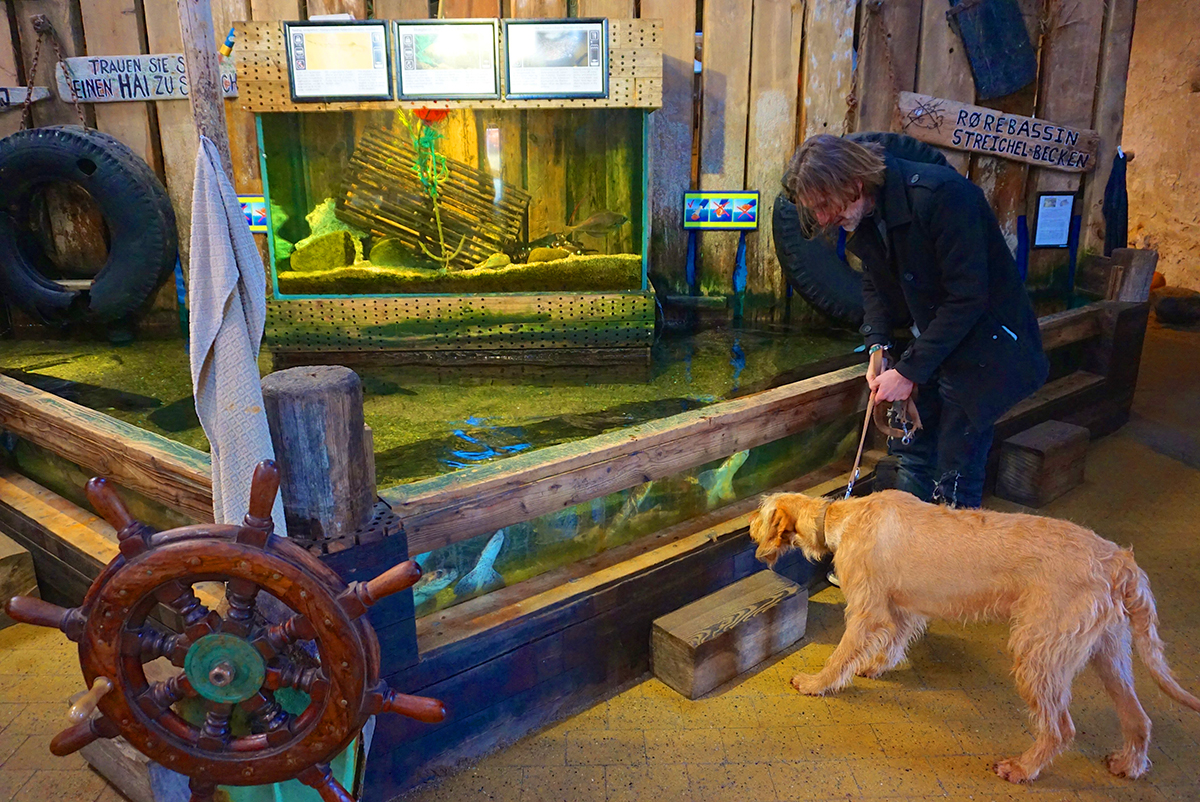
[176, 475]
[176, 131]
[10, 73]
[111, 28]
[944, 70]
[1071, 326]
[890, 36]
[204, 79]
[64, 15]
[401, 9]
[1066, 94]
[276, 9]
[1108, 117]
[774, 74]
[356, 7]
[467, 9]
[725, 97]
[671, 140]
[447, 509]
[828, 65]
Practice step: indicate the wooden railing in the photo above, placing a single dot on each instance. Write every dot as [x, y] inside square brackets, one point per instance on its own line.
[449, 508]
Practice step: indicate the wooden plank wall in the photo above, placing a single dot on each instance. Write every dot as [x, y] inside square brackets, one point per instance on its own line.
[775, 72]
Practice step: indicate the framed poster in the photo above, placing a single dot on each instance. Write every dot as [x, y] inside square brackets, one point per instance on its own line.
[556, 58]
[736, 211]
[448, 59]
[1052, 229]
[338, 60]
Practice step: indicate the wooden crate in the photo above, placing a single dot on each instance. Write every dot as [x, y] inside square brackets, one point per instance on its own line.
[712, 640]
[1040, 464]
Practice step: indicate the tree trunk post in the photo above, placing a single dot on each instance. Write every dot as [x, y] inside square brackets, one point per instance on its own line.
[204, 77]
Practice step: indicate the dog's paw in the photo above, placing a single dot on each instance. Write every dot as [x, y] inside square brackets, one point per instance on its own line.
[1012, 771]
[807, 684]
[1125, 765]
[872, 671]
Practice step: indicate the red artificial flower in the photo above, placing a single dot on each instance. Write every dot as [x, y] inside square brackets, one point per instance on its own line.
[431, 116]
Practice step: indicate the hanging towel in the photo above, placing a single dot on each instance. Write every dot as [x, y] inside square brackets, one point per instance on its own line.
[1115, 207]
[228, 308]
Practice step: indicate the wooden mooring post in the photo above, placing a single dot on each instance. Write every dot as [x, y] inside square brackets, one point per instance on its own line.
[316, 419]
[204, 78]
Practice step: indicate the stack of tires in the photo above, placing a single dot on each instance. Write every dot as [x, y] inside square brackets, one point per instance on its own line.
[136, 210]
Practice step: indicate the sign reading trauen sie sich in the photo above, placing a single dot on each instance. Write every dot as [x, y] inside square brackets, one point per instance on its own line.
[962, 126]
[116, 79]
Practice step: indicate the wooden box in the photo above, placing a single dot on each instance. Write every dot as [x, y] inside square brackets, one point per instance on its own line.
[1040, 464]
[16, 574]
[712, 640]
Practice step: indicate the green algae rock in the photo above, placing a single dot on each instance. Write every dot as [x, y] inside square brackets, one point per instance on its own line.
[326, 252]
[495, 260]
[323, 220]
[388, 252]
[547, 254]
[279, 218]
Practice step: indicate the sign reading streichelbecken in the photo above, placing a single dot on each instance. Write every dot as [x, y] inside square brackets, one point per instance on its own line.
[980, 130]
[117, 79]
[330, 61]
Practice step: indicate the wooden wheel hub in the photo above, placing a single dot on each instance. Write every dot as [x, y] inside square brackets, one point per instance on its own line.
[218, 720]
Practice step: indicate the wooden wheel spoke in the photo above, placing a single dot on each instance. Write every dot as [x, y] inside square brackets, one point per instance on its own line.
[276, 638]
[214, 734]
[266, 714]
[148, 644]
[320, 778]
[198, 620]
[158, 698]
[309, 680]
[240, 594]
[202, 790]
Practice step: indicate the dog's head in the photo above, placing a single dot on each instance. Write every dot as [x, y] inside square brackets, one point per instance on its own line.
[785, 521]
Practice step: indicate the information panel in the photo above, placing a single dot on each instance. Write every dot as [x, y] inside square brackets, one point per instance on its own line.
[447, 59]
[547, 59]
[720, 210]
[338, 60]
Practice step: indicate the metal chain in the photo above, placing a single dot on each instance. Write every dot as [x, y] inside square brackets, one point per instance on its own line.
[45, 30]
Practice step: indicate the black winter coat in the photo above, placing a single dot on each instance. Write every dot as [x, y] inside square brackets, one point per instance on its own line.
[946, 267]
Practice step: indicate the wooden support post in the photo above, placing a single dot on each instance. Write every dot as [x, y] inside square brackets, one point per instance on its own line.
[316, 420]
[401, 9]
[10, 73]
[944, 70]
[16, 574]
[888, 64]
[671, 140]
[1132, 273]
[828, 65]
[204, 79]
[771, 132]
[725, 86]
[1117, 356]
[1109, 118]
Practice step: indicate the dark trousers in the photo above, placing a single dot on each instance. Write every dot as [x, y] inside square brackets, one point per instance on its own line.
[945, 461]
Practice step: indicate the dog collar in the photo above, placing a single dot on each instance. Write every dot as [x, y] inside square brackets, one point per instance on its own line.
[820, 523]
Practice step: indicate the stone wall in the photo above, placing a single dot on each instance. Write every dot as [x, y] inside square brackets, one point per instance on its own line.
[1162, 128]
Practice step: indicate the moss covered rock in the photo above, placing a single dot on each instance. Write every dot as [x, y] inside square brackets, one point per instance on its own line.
[323, 220]
[388, 252]
[547, 254]
[496, 260]
[326, 252]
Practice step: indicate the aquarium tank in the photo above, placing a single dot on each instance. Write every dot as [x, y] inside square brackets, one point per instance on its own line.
[461, 201]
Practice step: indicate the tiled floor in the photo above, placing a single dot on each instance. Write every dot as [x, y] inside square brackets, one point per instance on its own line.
[930, 730]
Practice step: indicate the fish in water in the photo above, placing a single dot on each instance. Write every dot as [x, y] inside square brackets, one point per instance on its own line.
[432, 583]
[483, 576]
[632, 506]
[599, 224]
[559, 527]
[92, 396]
[718, 482]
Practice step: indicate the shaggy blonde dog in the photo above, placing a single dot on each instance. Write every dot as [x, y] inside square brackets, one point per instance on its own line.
[1071, 596]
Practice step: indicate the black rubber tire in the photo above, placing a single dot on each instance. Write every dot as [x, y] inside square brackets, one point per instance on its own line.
[814, 269]
[135, 207]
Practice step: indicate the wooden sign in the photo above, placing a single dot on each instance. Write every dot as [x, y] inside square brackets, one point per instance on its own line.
[13, 97]
[117, 79]
[961, 126]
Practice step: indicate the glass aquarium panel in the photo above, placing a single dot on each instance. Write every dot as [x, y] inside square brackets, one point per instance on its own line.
[462, 201]
[462, 571]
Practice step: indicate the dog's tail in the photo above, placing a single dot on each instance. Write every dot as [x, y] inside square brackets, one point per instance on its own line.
[1132, 588]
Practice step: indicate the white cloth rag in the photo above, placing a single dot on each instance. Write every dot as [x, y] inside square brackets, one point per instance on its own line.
[228, 309]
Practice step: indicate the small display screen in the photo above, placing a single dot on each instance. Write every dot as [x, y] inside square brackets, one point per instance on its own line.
[720, 210]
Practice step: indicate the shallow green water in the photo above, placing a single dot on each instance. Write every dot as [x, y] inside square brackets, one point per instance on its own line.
[427, 421]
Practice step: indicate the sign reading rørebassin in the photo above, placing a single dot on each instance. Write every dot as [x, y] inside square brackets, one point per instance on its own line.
[1010, 136]
[115, 79]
